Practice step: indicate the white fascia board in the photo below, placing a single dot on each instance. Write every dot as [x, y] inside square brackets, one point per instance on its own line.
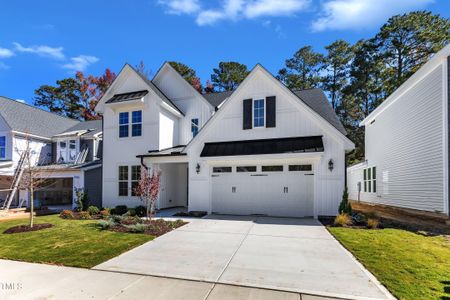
[426, 69]
[23, 134]
[166, 159]
[258, 159]
[170, 109]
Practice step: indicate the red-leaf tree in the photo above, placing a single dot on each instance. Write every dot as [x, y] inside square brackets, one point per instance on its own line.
[148, 189]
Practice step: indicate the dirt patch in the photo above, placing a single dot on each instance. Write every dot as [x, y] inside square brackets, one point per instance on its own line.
[152, 227]
[27, 228]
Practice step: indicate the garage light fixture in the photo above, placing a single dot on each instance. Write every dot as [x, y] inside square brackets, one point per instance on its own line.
[330, 165]
[197, 168]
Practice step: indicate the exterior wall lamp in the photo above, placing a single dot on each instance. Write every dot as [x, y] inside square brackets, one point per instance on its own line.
[331, 165]
[197, 168]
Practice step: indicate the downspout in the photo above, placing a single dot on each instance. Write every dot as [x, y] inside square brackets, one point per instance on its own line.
[143, 164]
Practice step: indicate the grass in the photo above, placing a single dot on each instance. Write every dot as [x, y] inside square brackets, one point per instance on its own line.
[73, 243]
[410, 265]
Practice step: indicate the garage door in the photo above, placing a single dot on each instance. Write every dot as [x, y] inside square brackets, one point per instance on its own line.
[274, 190]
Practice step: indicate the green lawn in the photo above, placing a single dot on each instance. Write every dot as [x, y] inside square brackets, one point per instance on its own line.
[410, 265]
[70, 242]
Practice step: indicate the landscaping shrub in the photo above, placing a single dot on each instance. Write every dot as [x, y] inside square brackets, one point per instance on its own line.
[131, 212]
[116, 218]
[342, 220]
[82, 199]
[373, 223]
[119, 210]
[93, 210]
[136, 228]
[105, 213]
[140, 211]
[67, 214]
[84, 215]
[359, 219]
[105, 224]
[345, 207]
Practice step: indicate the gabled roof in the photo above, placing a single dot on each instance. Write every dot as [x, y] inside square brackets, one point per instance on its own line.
[87, 129]
[28, 119]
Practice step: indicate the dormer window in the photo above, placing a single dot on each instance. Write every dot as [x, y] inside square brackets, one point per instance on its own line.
[67, 151]
[258, 113]
[136, 124]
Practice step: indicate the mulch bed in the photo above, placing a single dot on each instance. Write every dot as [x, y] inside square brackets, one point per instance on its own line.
[154, 227]
[27, 228]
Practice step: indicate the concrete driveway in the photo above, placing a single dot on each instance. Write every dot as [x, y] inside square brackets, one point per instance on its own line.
[297, 255]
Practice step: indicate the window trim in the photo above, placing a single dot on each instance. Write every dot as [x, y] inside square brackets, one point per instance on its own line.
[124, 125]
[370, 180]
[132, 123]
[119, 180]
[264, 112]
[3, 157]
[193, 125]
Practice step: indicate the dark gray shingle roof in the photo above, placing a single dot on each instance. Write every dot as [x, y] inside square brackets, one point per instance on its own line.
[317, 101]
[215, 99]
[127, 96]
[25, 118]
[93, 127]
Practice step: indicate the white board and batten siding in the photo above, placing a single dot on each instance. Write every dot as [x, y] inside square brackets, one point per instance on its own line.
[407, 145]
[293, 119]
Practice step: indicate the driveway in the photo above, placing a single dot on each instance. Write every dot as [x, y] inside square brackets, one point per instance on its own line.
[297, 255]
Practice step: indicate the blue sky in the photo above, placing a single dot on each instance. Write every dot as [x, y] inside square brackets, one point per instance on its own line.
[43, 41]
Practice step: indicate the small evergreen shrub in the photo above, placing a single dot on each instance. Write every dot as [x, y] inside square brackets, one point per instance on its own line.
[141, 211]
[93, 210]
[119, 210]
[345, 207]
[105, 224]
[372, 223]
[131, 212]
[136, 228]
[342, 220]
[84, 215]
[67, 214]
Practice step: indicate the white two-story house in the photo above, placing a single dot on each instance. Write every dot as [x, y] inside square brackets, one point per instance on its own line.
[262, 149]
[65, 154]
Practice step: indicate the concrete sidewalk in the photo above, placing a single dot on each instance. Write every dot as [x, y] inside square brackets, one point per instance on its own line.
[20, 280]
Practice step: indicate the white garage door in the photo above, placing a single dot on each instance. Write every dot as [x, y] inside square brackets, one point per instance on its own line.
[272, 190]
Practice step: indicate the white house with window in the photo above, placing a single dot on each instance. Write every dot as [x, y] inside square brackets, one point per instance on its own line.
[262, 149]
[407, 145]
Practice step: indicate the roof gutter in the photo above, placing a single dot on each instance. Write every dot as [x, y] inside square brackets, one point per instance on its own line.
[31, 135]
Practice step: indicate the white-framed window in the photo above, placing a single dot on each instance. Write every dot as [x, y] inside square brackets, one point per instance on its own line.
[370, 180]
[126, 125]
[2, 147]
[259, 116]
[67, 150]
[129, 177]
[194, 126]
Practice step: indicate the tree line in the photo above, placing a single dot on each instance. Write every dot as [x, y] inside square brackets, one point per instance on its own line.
[356, 77]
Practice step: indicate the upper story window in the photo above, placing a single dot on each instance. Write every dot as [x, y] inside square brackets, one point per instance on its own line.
[136, 123]
[2, 147]
[67, 151]
[258, 113]
[194, 127]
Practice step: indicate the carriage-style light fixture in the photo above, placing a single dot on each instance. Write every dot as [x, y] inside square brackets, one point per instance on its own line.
[330, 165]
[197, 168]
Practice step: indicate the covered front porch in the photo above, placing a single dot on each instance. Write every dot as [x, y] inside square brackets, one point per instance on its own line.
[173, 166]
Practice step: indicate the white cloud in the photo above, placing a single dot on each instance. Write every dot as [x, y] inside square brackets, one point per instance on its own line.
[360, 14]
[80, 63]
[42, 50]
[178, 7]
[5, 53]
[240, 9]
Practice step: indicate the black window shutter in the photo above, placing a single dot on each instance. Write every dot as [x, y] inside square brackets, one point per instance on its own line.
[247, 114]
[271, 111]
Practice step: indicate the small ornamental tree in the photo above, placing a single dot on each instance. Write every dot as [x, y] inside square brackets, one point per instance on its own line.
[345, 207]
[148, 188]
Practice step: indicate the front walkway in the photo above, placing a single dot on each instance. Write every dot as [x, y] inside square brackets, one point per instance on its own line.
[295, 255]
[20, 280]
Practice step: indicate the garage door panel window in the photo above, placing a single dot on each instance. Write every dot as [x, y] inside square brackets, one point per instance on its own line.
[221, 169]
[272, 168]
[243, 169]
[302, 168]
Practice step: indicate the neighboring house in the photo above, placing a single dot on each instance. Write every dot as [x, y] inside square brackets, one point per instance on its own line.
[407, 144]
[63, 151]
[262, 149]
